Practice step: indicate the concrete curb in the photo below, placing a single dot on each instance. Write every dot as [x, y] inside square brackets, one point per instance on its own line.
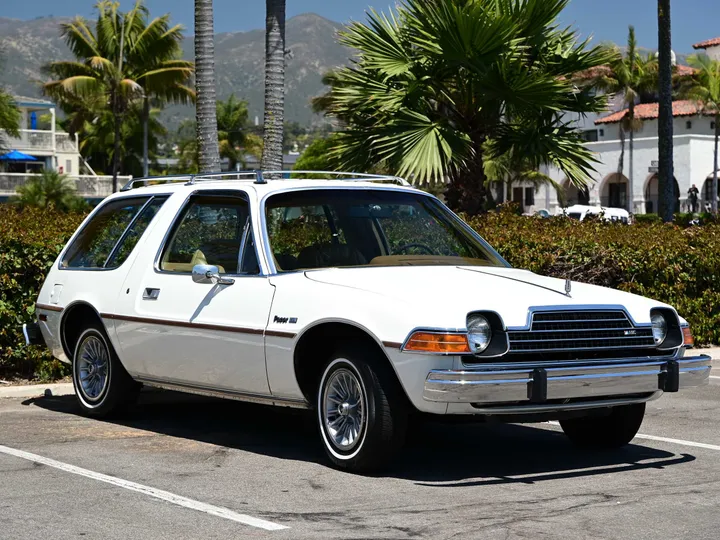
[713, 352]
[36, 390]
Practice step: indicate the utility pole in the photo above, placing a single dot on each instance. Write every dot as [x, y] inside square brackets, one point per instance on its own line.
[666, 178]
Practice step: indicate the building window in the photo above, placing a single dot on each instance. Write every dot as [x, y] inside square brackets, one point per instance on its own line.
[602, 132]
[517, 195]
[688, 125]
[590, 135]
[68, 166]
[529, 196]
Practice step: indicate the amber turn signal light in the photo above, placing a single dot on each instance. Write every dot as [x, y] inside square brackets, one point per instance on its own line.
[436, 342]
[688, 339]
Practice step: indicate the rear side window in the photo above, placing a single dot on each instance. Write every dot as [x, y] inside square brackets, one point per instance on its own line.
[112, 233]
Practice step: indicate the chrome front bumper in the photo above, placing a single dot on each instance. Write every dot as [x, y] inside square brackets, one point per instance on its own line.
[508, 385]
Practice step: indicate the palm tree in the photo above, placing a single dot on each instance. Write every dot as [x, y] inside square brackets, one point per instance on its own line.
[50, 189]
[630, 76]
[157, 48]
[439, 87]
[704, 88]
[205, 113]
[232, 117]
[274, 85]
[666, 183]
[112, 65]
[97, 128]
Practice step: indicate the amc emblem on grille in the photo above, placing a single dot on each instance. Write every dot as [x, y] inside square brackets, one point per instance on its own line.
[630, 332]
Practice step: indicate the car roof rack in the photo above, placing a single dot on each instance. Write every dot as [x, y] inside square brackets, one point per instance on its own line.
[260, 177]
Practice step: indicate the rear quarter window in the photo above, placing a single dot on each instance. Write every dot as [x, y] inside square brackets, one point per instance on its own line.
[112, 233]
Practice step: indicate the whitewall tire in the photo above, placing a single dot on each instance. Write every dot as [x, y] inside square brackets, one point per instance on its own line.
[361, 412]
[102, 386]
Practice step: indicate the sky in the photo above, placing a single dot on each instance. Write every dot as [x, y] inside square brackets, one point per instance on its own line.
[604, 20]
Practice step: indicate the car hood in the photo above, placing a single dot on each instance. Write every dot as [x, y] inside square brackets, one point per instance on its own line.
[444, 293]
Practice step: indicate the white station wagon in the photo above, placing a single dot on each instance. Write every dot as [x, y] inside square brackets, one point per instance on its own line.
[358, 297]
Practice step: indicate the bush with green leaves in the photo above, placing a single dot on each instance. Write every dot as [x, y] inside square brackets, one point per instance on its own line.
[667, 262]
[50, 189]
[673, 264]
[30, 241]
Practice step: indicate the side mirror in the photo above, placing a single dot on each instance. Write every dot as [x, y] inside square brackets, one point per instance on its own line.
[207, 273]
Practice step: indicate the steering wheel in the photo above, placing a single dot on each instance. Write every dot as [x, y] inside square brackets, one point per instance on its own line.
[420, 246]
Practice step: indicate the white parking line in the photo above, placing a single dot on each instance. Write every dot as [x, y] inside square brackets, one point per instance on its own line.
[146, 490]
[663, 439]
[714, 377]
[678, 441]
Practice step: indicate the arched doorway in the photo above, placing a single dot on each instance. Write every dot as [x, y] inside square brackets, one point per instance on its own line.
[573, 195]
[706, 194]
[614, 192]
[652, 195]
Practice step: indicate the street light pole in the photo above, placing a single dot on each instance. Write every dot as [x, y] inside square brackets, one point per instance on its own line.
[666, 178]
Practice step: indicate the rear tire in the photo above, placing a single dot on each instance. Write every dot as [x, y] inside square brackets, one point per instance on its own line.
[606, 432]
[362, 411]
[102, 386]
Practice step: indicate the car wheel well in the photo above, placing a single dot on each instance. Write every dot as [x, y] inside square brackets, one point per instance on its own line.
[76, 319]
[317, 344]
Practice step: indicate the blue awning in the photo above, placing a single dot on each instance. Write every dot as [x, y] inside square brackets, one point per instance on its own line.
[14, 155]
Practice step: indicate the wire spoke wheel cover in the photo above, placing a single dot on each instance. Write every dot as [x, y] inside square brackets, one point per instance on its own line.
[92, 368]
[344, 409]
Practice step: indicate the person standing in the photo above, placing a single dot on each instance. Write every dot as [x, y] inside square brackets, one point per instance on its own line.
[693, 195]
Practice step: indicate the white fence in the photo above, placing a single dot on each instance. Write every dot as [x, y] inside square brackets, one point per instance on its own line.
[90, 187]
[37, 140]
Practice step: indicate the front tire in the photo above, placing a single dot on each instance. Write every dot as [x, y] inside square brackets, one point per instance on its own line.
[361, 410]
[102, 386]
[606, 432]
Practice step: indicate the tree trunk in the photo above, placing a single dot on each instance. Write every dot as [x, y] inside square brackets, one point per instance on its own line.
[631, 197]
[206, 115]
[145, 118]
[117, 117]
[665, 120]
[272, 158]
[715, 167]
[468, 190]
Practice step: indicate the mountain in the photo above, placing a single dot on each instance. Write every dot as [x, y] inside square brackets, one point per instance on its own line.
[239, 61]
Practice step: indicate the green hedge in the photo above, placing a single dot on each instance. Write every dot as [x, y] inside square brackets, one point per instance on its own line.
[30, 240]
[676, 265]
[680, 266]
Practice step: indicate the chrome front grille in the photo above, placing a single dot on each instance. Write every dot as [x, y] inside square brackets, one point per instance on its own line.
[556, 331]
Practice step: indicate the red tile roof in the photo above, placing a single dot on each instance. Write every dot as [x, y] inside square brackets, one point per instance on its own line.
[684, 70]
[649, 111]
[714, 42]
[605, 71]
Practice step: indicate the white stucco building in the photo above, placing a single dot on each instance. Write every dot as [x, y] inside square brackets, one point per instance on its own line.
[693, 161]
[693, 136]
[52, 149]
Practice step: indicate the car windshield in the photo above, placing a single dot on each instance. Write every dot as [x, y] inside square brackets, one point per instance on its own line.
[575, 215]
[324, 228]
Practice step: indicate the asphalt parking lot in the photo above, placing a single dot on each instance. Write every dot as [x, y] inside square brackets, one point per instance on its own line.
[179, 466]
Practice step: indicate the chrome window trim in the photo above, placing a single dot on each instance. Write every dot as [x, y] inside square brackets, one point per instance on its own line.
[90, 217]
[272, 269]
[242, 194]
[126, 231]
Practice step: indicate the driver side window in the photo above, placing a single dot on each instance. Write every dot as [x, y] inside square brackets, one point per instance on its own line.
[212, 230]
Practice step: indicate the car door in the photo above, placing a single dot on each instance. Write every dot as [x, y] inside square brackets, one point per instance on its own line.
[204, 335]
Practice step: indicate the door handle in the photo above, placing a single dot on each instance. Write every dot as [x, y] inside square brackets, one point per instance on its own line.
[151, 294]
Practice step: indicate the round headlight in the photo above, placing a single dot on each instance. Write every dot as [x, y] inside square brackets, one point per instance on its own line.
[479, 333]
[659, 328]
